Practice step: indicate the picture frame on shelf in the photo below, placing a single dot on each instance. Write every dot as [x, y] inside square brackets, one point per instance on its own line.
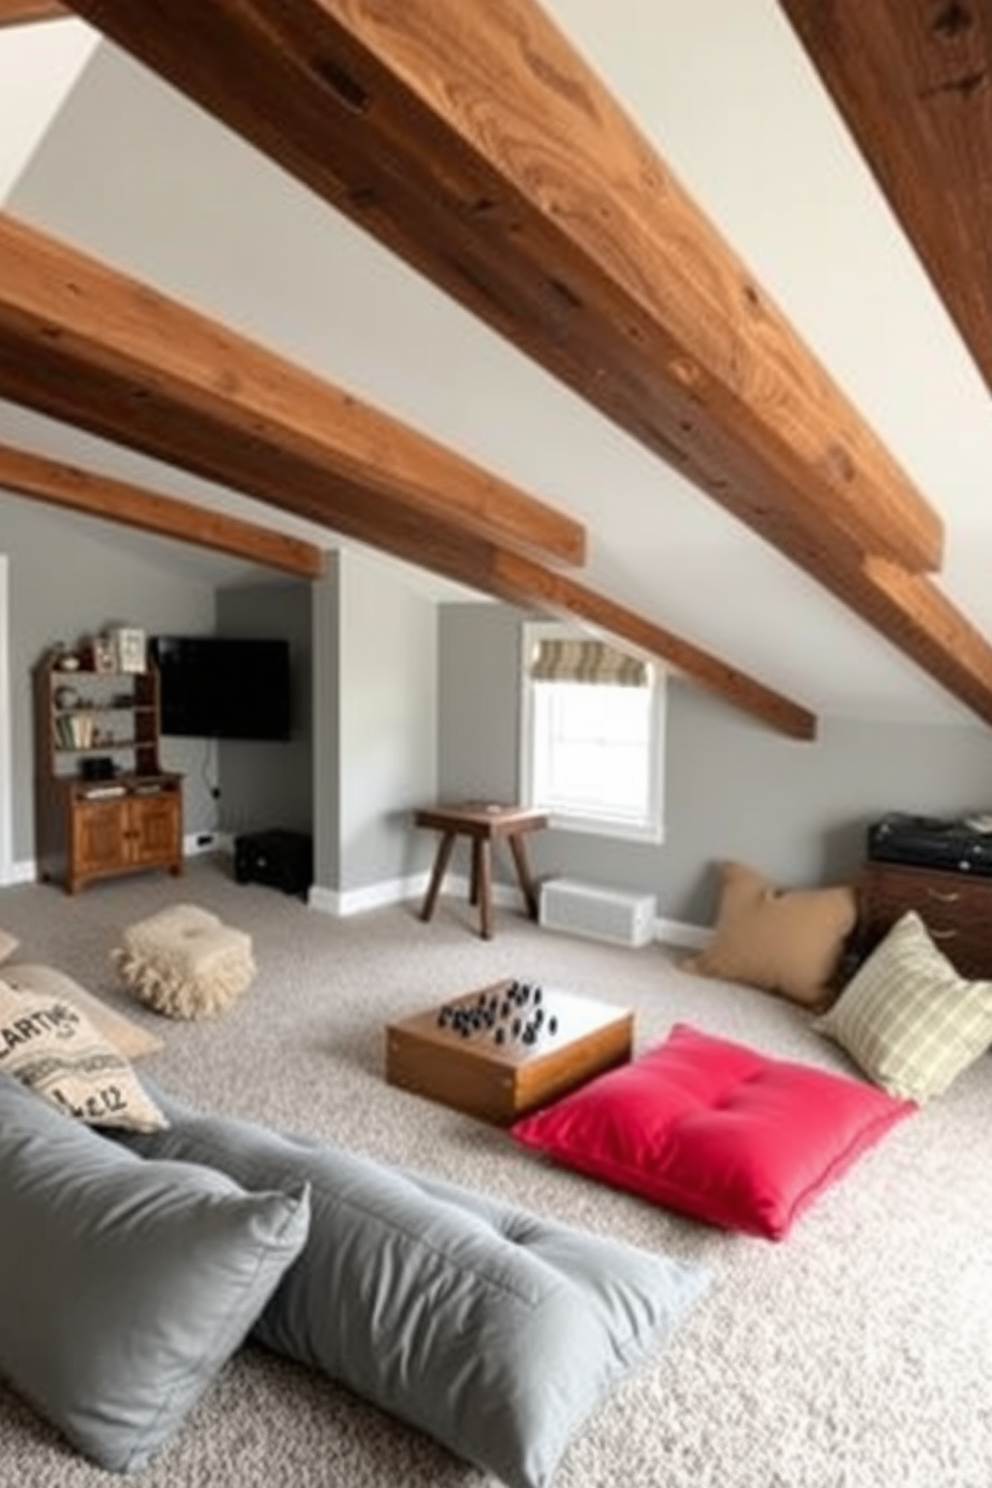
[104, 654]
[129, 646]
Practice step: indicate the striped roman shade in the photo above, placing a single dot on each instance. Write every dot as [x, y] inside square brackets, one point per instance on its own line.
[587, 661]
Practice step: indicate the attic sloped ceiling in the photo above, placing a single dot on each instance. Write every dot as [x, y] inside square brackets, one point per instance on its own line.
[132, 365]
[38, 66]
[493, 159]
[733, 588]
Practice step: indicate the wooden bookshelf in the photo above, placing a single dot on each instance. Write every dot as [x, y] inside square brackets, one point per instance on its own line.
[103, 804]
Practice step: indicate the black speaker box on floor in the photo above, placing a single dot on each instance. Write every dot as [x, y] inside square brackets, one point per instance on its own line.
[280, 859]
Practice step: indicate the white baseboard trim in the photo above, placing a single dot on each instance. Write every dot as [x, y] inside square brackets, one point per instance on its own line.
[680, 933]
[26, 871]
[394, 891]
[398, 891]
[372, 896]
[194, 846]
[505, 896]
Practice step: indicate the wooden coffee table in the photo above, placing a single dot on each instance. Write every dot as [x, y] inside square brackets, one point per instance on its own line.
[507, 1048]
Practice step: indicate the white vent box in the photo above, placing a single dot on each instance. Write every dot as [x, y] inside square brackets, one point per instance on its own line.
[602, 914]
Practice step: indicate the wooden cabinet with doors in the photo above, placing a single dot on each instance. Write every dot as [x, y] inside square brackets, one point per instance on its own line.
[103, 804]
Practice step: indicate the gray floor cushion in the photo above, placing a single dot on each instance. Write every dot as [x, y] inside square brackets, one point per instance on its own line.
[124, 1285]
[495, 1331]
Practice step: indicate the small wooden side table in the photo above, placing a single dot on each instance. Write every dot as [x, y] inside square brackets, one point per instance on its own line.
[484, 824]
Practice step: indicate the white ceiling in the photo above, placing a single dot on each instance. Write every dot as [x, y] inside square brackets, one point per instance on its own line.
[132, 172]
[38, 66]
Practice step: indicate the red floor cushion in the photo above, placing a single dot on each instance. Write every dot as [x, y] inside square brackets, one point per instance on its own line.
[716, 1130]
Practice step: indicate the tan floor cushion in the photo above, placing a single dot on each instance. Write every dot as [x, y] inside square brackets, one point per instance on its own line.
[184, 962]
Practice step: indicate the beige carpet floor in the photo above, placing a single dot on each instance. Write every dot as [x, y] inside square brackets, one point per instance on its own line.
[855, 1354]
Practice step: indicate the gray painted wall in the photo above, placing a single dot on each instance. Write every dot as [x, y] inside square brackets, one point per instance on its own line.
[797, 811]
[269, 784]
[69, 578]
[364, 654]
[388, 722]
[411, 703]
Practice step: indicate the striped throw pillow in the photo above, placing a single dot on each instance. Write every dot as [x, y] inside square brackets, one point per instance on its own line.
[908, 1018]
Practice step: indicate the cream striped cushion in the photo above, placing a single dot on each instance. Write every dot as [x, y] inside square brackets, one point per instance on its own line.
[908, 1018]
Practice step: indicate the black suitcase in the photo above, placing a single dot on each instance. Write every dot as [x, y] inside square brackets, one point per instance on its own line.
[959, 845]
[280, 859]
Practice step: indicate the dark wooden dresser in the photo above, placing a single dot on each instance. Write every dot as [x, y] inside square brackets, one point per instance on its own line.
[955, 907]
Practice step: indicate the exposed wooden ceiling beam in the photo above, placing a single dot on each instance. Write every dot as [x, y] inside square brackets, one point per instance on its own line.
[913, 80]
[85, 344]
[73, 489]
[23, 12]
[477, 143]
[98, 349]
[923, 623]
[523, 580]
[491, 157]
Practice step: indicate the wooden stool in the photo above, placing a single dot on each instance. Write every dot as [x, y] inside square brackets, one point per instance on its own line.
[484, 824]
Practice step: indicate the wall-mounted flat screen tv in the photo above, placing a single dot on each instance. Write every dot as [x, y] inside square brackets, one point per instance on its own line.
[219, 687]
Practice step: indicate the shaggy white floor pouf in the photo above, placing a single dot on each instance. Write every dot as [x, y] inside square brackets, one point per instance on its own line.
[184, 962]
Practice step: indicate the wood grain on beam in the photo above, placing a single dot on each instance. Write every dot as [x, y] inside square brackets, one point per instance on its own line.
[913, 80]
[74, 489]
[80, 343]
[522, 580]
[98, 349]
[499, 573]
[24, 12]
[475, 142]
[923, 623]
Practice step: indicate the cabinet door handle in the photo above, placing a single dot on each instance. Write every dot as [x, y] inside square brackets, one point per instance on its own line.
[941, 934]
[945, 897]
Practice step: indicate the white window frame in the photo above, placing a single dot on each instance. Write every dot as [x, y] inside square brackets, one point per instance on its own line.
[651, 828]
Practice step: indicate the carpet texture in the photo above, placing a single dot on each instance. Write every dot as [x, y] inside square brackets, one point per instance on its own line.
[856, 1352]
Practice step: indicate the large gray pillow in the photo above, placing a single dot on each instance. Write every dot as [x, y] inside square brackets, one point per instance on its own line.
[124, 1285]
[493, 1330]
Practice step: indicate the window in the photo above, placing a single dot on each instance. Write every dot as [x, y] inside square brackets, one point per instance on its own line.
[592, 734]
